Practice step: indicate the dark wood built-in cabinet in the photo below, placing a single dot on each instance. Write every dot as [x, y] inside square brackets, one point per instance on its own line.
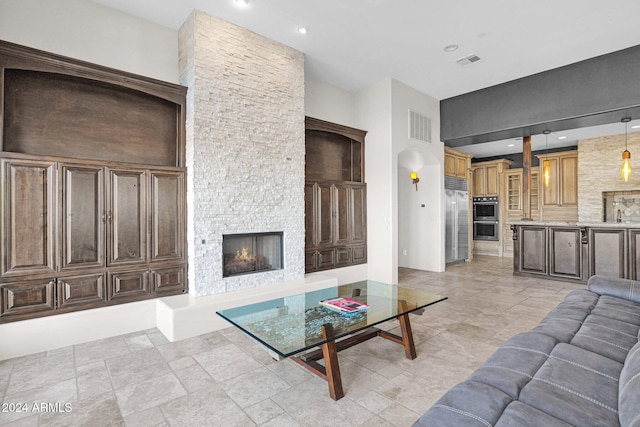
[335, 196]
[93, 199]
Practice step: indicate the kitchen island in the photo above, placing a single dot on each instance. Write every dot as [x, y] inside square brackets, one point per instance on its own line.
[575, 251]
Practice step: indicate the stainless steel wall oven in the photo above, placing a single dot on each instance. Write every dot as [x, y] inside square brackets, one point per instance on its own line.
[485, 218]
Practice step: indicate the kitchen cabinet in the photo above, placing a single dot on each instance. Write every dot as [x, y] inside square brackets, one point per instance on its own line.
[530, 251]
[560, 197]
[456, 163]
[565, 250]
[487, 176]
[514, 196]
[608, 252]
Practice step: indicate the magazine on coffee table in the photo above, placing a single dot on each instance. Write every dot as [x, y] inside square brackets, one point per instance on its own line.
[347, 305]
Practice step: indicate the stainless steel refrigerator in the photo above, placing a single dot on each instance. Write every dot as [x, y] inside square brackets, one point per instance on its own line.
[456, 220]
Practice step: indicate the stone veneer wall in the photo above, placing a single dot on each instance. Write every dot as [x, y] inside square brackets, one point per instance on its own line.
[599, 162]
[245, 147]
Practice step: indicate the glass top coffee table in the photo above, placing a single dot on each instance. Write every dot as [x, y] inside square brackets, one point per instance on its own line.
[296, 323]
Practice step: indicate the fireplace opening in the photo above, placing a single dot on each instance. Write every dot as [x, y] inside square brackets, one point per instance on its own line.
[251, 253]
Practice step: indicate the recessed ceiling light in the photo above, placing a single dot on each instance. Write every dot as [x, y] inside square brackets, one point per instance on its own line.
[451, 48]
[635, 127]
[302, 30]
[241, 3]
[562, 137]
[511, 145]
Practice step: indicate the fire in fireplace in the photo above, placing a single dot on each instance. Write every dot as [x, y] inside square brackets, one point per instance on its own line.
[251, 253]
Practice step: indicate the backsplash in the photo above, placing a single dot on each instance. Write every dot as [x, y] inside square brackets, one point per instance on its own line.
[627, 202]
[599, 161]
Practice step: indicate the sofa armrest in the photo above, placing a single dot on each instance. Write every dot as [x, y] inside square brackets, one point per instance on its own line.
[615, 287]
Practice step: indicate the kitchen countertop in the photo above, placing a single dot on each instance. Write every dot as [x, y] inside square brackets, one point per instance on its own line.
[577, 224]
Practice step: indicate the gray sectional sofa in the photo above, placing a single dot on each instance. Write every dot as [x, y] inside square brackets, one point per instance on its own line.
[579, 367]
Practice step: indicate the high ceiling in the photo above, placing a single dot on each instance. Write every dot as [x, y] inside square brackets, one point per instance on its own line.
[354, 43]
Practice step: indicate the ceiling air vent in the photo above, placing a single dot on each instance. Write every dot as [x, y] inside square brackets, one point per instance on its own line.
[419, 127]
[468, 60]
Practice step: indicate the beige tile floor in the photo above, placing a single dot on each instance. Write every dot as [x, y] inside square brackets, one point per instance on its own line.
[225, 379]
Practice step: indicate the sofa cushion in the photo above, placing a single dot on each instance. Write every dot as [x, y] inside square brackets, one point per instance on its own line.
[468, 404]
[606, 336]
[615, 308]
[629, 391]
[576, 386]
[513, 365]
[519, 414]
[615, 287]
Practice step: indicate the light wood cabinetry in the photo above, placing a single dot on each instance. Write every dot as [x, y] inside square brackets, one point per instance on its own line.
[456, 163]
[487, 177]
[560, 197]
[514, 195]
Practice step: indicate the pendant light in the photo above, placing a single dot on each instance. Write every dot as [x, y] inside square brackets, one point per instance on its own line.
[625, 171]
[546, 164]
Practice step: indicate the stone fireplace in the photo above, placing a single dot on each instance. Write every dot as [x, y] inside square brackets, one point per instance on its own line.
[244, 151]
[251, 253]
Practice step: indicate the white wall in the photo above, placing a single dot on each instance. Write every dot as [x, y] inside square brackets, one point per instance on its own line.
[373, 114]
[326, 102]
[419, 230]
[91, 32]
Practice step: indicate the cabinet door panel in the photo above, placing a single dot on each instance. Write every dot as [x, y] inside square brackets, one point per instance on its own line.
[26, 297]
[607, 252]
[550, 192]
[461, 167]
[479, 182]
[28, 211]
[634, 254]
[82, 213]
[167, 221]
[87, 289]
[359, 254]
[310, 230]
[127, 217]
[324, 214]
[565, 250]
[569, 180]
[343, 257]
[310, 261]
[326, 258]
[128, 284]
[449, 165]
[341, 214]
[492, 181]
[358, 214]
[168, 280]
[533, 250]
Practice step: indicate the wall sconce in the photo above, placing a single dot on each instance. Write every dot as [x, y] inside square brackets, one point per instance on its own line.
[625, 171]
[415, 179]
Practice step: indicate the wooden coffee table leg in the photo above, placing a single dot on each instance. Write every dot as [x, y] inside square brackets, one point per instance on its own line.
[330, 356]
[407, 337]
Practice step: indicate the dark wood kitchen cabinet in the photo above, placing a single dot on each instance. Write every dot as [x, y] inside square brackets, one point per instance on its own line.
[335, 196]
[93, 198]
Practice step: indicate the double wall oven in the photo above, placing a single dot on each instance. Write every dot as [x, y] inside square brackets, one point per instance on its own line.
[485, 218]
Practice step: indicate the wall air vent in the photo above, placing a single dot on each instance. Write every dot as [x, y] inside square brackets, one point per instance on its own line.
[468, 60]
[419, 127]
